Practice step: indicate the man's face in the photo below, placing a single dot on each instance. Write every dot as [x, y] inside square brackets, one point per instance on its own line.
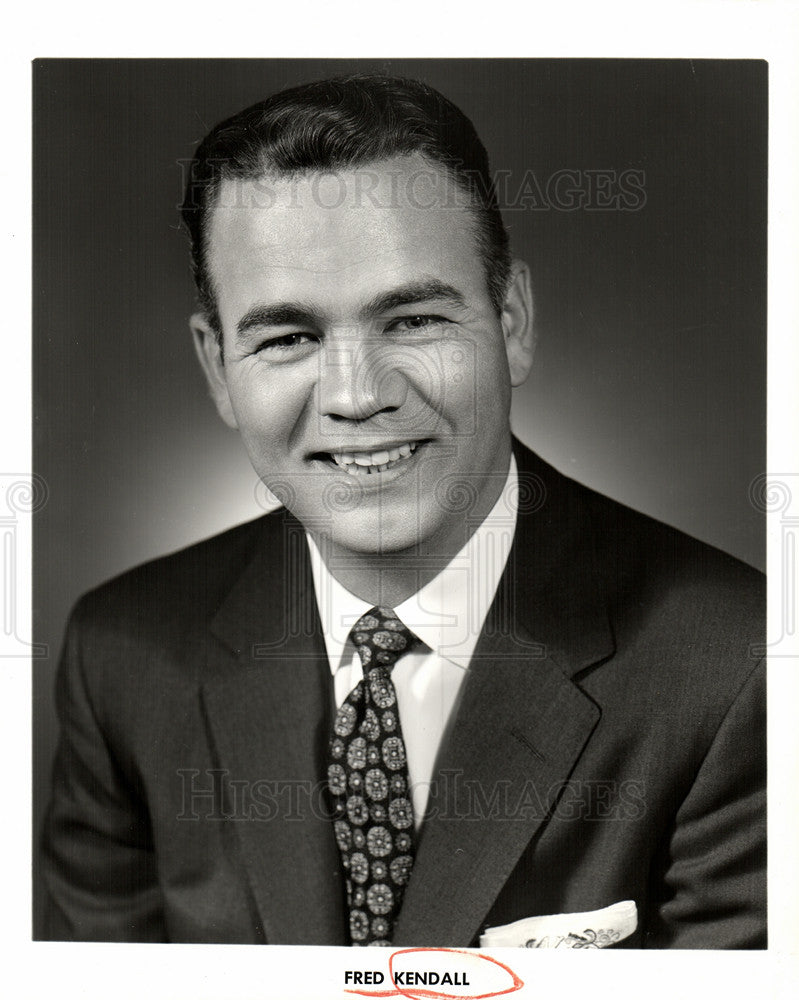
[364, 364]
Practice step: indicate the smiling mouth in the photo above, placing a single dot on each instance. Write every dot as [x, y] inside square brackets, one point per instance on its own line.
[370, 463]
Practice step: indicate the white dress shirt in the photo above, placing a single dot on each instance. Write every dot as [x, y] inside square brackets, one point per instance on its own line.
[447, 614]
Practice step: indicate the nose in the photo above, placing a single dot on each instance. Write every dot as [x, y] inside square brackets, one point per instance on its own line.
[358, 381]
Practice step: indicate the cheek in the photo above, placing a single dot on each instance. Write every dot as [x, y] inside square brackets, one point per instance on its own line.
[493, 362]
[476, 380]
[447, 373]
[267, 407]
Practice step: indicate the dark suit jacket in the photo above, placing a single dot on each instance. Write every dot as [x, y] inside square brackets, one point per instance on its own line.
[609, 744]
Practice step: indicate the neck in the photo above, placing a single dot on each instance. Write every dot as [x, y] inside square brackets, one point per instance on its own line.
[377, 583]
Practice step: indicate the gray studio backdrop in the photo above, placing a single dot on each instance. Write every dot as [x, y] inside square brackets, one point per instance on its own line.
[649, 382]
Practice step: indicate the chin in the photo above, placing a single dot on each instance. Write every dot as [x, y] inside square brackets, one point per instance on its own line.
[373, 536]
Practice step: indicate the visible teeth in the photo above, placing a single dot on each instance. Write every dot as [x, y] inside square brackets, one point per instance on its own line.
[370, 462]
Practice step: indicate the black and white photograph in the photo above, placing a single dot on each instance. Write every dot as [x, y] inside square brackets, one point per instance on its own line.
[486, 666]
[405, 531]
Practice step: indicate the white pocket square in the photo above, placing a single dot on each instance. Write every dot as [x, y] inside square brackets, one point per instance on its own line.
[592, 929]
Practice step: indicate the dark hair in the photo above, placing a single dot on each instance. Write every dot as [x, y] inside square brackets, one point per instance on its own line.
[344, 122]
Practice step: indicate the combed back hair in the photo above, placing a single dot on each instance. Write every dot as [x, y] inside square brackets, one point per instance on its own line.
[330, 125]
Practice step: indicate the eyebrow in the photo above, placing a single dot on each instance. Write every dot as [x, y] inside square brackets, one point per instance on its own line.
[296, 314]
[281, 314]
[416, 292]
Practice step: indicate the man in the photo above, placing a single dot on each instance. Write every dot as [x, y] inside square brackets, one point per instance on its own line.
[444, 696]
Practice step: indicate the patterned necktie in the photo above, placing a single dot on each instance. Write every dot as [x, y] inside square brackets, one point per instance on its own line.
[368, 780]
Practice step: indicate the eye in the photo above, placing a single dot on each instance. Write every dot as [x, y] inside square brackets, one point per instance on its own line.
[419, 322]
[286, 342]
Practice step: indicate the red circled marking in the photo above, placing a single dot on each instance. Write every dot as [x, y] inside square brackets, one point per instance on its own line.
[416, 994]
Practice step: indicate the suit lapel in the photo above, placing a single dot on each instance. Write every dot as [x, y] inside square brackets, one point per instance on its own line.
[520, 729]
[269, 714]
[522, 722]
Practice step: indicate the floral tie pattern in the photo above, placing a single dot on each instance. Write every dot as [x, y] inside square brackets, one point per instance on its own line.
[368, 781]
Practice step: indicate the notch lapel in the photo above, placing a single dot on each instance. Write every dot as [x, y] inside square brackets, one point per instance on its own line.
[519, 731]
[269, 713]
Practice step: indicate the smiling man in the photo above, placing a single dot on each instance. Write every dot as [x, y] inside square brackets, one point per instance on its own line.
[443, 695]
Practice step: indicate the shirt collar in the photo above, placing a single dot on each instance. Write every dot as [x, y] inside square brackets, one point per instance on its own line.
[449, 612]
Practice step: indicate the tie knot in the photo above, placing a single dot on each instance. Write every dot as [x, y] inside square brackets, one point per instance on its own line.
[381, 638]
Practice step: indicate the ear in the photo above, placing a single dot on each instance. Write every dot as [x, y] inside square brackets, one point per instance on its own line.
[208, 348]
[517, 323]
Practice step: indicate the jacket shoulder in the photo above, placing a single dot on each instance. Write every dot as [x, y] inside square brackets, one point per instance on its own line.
[645, 568]
[183, 586]
[643, 552]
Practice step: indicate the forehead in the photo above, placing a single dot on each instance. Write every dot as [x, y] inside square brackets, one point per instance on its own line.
[340, 237]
